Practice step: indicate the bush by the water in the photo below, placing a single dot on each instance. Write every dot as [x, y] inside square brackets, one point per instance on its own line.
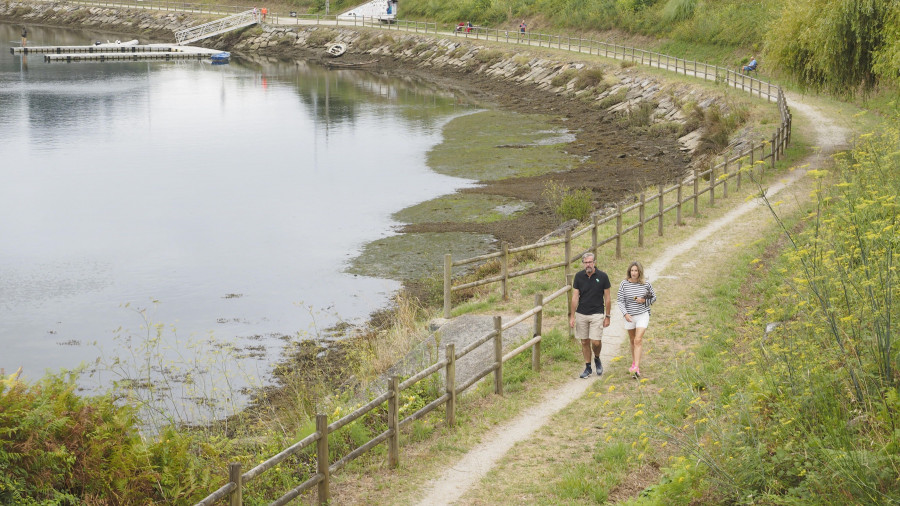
[569, 203]
[57, 447]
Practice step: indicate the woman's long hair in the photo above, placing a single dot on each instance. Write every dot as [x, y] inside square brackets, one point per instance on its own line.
[640, 271]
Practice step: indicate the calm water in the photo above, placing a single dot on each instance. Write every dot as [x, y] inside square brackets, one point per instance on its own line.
[226, 200]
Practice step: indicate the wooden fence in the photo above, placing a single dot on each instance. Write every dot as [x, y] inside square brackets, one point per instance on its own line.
[233, 489]
[607, 49]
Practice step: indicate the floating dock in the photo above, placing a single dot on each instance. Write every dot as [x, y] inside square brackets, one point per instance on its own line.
[164, 52]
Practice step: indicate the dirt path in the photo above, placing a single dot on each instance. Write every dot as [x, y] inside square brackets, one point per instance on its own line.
[467, 471]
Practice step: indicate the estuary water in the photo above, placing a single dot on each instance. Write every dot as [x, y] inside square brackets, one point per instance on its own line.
[190, 202]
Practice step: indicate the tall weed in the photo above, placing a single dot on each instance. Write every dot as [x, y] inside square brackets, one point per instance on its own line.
[568, 203]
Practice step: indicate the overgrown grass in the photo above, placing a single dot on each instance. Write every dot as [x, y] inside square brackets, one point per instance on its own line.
[808, 395]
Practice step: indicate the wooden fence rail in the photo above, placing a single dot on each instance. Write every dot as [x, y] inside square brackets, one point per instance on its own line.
[233, 489]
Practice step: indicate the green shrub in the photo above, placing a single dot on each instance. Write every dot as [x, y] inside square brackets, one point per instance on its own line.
[489, 56]
[58, 447]
[612, 99]
[253, 31]
[679, 10]
[567, 203]
[639, 116]
[717, 128]
[588, 77]
[664, 129]
[458, 52]
[563, 78]
[320, 37]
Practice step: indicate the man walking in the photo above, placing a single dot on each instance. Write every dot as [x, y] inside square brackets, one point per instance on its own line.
[24, 37]
[589, 314]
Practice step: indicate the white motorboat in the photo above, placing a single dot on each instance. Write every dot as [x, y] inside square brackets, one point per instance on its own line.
[117, 43]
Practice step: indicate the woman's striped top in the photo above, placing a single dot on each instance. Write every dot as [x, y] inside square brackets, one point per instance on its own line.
[628, 291]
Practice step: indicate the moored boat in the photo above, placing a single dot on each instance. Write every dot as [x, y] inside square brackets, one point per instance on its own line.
[117, 43]
[220, 58]
[335, 50]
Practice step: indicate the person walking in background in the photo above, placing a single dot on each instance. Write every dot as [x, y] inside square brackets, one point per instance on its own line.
[634, 299]
[522, 26]
[264, 11]
[24, 37]
[589, 314]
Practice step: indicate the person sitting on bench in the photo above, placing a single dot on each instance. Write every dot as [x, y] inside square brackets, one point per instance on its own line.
[750, 66]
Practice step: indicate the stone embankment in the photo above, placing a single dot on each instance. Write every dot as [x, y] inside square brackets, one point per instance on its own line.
[618, 89]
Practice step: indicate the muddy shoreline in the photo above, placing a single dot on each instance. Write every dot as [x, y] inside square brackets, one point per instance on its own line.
[616, 163]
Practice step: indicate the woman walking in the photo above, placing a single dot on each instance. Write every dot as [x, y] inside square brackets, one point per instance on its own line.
[634, 300]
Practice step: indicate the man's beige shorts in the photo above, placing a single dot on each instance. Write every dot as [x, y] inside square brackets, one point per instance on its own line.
[589, 326]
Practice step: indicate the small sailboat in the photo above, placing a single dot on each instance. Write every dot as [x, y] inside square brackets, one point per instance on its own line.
[336, 49]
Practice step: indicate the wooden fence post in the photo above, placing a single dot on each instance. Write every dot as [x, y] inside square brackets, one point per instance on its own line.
[661, 207]
[781, 144]
[322, 463]
[569, 280]
[740, 163]
[567, 252]
[594, 231]
[538, 323]
[498, 355]
[641, 220]
[394, 422]
[696, 192]
[752, 155]
[448, 267]
[773, 151]
[504, 268]
[450, 356]
[725, 179]
[790, 120]
[678, 209]
[712, 186]
[618, 230]
[234, 476]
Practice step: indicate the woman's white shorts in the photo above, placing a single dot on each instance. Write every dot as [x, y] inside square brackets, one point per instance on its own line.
[642, 320]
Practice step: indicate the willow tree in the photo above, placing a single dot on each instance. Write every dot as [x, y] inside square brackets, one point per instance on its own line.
[830, 44]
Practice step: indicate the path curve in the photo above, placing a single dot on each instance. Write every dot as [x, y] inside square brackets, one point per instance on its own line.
[468, 470]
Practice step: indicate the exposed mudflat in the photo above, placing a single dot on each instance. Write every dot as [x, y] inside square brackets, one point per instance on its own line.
[612, 162]
[609, 159]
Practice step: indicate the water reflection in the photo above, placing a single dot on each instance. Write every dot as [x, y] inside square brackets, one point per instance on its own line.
[189, 212]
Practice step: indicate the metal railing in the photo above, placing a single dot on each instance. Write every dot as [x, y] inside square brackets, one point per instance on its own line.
[217, 27]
